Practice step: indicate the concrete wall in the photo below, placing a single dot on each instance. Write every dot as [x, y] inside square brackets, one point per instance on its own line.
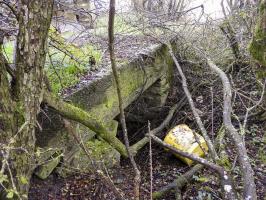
[150, 73]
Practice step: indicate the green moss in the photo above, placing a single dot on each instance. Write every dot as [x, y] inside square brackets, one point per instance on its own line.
[46, 169]
[262, 7]
[131, 81]
[98, 148]
[100, 151]
[8, 50]
[224, 160]
[67, 65]
[257, 46]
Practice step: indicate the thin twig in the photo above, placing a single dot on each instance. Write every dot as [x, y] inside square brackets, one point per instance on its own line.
[192, 106]
[137, 178]
[150, 154]
[254, 106]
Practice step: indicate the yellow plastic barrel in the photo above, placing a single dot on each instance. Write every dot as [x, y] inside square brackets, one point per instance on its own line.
[182, 137]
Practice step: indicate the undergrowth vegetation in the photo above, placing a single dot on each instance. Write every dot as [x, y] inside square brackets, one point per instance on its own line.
[67, 62]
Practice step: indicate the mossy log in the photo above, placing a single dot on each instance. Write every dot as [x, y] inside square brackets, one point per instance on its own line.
[79, 115]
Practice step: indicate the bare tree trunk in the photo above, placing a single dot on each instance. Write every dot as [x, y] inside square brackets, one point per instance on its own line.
[229, 32]
[118, 86]
[257, 49]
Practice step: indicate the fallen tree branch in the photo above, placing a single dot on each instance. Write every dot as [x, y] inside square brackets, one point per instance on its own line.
[179, 183]
[226, 182]
[79, 115]
[247, 171]
[192, 106]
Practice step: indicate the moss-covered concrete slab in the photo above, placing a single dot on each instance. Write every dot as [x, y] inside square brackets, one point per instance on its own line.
[45, 169]
[99, 96]
[151, 70]
[101, 156]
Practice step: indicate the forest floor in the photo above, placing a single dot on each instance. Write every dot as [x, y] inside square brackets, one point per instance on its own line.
[167, 167]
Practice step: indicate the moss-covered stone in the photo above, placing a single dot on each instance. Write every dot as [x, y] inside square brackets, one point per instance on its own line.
[112, 127]
[54, 134]
[101, 155]
[44, 170]
[224, 160]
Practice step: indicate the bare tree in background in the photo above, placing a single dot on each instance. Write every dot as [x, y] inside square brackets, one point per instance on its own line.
[168, 7]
